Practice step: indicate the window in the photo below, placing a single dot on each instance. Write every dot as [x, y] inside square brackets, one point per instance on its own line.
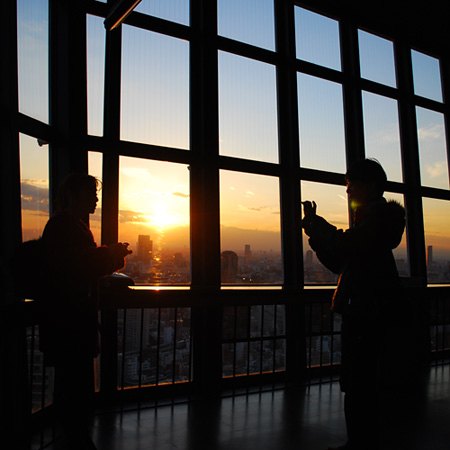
[376, 59]
[247, 21]
[317, 39]
[250, 229]
[32, 54]
[427, 76]
[247, 109]
[432, 148]
[382, 133]
[95, 161]
[254, 340]
[34, 187]
[95, 73]
[401, 252]
[155, 89]
[154, 220]
[321, 123]
[436, 214]
[333, 205]
[173, 10]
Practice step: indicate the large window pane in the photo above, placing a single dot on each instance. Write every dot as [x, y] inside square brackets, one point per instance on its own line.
[250, 229]
[95, 73]
[154, 219]
[317, 39]
[376, 59]
[436, 214]
[95, 164]
[332, 204]
[34, 187]
[173, 10]
[321, 118]
[247, 109]
[155, 89]
[382, 133]
[247, 21]
[427, 76]
[432, 148]
[32, 54]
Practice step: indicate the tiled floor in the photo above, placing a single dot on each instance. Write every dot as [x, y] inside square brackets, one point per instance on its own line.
[307, 418]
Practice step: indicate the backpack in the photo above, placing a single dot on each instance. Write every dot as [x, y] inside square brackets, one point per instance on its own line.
[29, 270]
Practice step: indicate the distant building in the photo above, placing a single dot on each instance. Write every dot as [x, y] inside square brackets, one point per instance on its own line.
[145, 248]
[247, 255]
[229, 266]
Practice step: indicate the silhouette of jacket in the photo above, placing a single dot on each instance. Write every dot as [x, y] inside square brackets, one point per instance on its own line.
[69, 324]
[362, 256]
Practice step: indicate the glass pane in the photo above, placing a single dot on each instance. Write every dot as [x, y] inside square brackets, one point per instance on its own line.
[247, 109]
[95, 164]
[95, 73]
[173, 10]
[436, 215]
[382, 133]
[321, 121]
[32, 54]
[250, 229]
[317, 39]
[247, 21]
[34, 187]
[401, 252]
[432, 148]
[155, 89]
[332, 204]
[376, 57]
[154, 219]
[427, 76]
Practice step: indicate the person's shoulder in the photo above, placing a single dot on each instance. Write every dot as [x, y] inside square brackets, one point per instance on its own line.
[58, 221]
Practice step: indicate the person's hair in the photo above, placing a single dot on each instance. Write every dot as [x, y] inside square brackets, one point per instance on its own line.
[368, 171]
[72, 186]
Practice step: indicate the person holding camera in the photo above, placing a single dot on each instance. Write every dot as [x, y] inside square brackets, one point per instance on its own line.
[69, 329]
[368, 295]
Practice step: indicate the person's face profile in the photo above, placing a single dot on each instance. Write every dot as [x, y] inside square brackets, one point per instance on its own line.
[359, 193]
[87, 200]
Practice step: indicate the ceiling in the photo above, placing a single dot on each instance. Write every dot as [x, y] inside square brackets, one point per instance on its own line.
[425, 27]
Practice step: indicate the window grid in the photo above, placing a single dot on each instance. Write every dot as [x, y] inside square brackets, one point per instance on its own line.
[286, 65]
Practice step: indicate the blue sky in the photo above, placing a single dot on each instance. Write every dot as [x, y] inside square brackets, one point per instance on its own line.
[155, 91]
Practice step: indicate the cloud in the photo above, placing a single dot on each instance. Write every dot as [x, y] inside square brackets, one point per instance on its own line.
[437, 169]
[431, 132]
[180, 194]
[34, 198]
[132, 216]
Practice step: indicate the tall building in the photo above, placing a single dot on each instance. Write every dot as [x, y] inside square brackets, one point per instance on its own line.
[247, 255]
[145, 248]
[229, 266]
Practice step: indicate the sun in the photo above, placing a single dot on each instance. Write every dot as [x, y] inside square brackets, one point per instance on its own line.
[162, 219]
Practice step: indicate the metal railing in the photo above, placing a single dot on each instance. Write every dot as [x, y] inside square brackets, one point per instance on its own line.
[155, 348]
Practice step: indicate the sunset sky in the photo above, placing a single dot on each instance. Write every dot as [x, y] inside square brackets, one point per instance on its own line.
[154, 196]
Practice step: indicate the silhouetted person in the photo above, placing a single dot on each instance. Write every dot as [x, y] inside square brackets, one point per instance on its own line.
[69, 326]
[368, 294]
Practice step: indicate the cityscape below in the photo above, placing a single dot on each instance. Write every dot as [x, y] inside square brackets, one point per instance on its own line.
[168, 267]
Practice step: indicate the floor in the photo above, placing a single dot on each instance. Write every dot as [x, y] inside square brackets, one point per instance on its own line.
[301, 418]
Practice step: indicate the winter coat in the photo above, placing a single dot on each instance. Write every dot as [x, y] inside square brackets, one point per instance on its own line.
[362, 256]
[69, 324]
[369, 294]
